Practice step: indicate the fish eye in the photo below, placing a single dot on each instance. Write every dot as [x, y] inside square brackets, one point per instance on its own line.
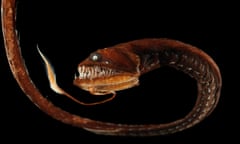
[95, 57]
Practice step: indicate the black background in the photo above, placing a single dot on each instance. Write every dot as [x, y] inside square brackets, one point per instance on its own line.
[67, 32]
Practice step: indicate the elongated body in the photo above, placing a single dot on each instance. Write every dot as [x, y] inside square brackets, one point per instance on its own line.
[116, 68]
[127, 61]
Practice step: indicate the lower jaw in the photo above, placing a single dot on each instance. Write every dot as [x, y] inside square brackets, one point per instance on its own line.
[107, 87]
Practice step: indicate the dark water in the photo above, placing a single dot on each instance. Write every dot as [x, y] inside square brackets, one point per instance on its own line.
[66, 34]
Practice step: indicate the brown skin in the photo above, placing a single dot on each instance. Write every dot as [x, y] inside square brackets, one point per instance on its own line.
[119, 71]
[124, 62]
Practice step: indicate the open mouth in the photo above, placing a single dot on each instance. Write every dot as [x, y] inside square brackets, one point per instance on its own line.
[91, 72]
[101, 80]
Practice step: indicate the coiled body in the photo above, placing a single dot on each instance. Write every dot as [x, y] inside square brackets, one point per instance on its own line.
[145, 55]
[117, 68]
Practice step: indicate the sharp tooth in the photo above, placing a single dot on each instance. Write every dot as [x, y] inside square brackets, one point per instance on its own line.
[95, 69]
[80, 75]
[89, 71]
[93, 73]
[110, 72]
[83, 76]
[88, 75]
[79, 69]
[83, 69]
